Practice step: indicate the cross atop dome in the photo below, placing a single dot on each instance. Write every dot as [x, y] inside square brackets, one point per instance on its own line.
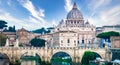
[74, 6]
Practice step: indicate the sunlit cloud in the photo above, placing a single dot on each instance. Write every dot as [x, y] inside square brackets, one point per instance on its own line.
[9, 2]
[27, 4]
[68, 5]
[29, 24]
[96, 5]
[111, 16]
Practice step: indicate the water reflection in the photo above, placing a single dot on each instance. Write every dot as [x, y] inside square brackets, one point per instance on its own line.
[28, 62]
[60, 63]
[34, 62]
[4, 62]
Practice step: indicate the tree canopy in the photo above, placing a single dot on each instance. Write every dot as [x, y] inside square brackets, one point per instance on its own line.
[107, 35]
[37, 42]
[2, 24]
[87, 56]
[43, 30]
[10, 29]
[2, 39]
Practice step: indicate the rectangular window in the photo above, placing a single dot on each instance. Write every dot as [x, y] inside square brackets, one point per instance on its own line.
[68, 40]
[61, 41]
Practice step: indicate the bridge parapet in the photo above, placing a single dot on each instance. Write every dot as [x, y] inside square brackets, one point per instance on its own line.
[42, 48]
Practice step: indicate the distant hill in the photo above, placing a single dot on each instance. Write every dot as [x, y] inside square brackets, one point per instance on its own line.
[43, 30]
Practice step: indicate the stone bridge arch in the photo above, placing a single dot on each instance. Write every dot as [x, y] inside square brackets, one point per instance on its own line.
[100, 52]
[60, 52]
[70, 52]
[97, 55]
[30, 52]
[4, 56]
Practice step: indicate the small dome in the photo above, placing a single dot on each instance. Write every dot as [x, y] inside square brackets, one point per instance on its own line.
[87, 22]
[74, 13]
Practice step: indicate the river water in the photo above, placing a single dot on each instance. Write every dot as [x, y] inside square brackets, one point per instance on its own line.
[32, 62]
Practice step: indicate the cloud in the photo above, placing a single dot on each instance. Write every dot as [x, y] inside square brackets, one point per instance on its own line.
[8, 18]
[29, 23]
[96, 5]
[112, 15]
[54, 22]
[27, 4]
[103, 12]
[9, 2]
[68, 5]
[107, 17]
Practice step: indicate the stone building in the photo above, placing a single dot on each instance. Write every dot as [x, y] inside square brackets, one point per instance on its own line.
[107, 28]
[11, 36]
[115, 41]
[64, 39]
[24, 36]
[72, 31]
[75, 22]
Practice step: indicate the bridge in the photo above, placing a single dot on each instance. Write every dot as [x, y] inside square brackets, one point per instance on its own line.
[46, 53]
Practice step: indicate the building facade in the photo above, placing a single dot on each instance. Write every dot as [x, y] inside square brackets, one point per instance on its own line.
[115, 28]
[11, 36]
[24, 36]
[73, 31]
[64, 39]
[115, 41]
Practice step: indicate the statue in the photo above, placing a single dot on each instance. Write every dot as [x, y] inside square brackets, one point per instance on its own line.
[7, 42]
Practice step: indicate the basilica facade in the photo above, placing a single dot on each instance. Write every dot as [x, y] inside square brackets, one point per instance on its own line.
[73, 31]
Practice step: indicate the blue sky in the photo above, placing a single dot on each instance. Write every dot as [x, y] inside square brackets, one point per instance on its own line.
[34, 14]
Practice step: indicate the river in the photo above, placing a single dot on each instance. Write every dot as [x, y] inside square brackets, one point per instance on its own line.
[32, 62]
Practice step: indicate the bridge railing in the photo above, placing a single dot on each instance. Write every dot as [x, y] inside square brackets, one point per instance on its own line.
[37, 48]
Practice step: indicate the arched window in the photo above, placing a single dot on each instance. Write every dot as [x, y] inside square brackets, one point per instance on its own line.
[82, 40]
[74, 41]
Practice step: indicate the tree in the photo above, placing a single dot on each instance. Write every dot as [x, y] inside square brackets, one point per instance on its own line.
[2, 39]
[37, 42]
[11, 29]
[43, 30]
[2, 24]
[107, 35]
[87, 56]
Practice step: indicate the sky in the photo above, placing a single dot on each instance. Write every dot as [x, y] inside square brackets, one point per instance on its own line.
[34, 14]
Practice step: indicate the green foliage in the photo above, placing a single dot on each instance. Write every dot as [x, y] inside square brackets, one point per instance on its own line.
[107, 35]
[2, 24]
[43, 30]
[88, 55]
[36, 42]
[20, 45]
[2, 39]
[11, 29]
